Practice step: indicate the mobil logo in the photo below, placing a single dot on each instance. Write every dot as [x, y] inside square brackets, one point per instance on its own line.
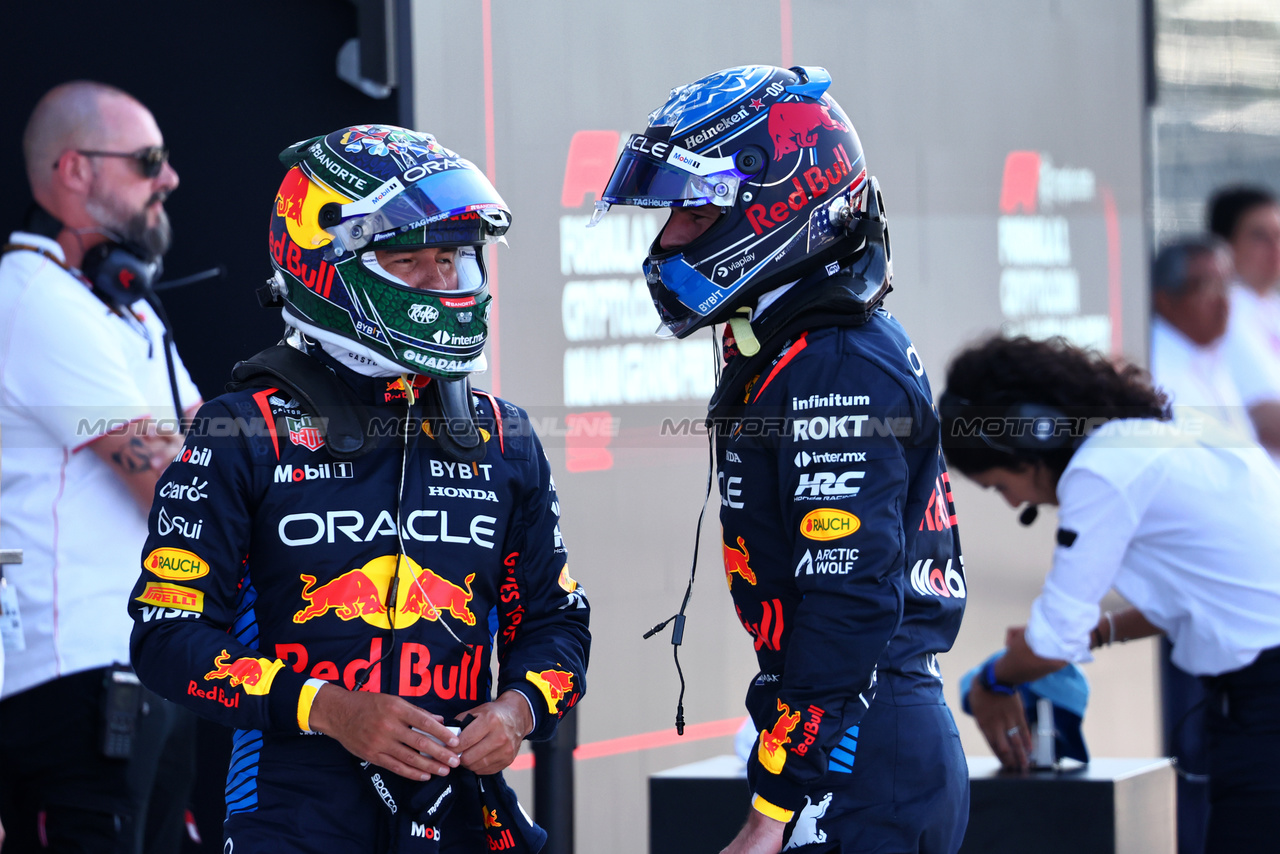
[828, 523]
[555, 685]
[289, 473]
[773, 741]
[254, 674]
[929, 580]
[365, 594]
[735, 563]
[196, 456]
[793, 125]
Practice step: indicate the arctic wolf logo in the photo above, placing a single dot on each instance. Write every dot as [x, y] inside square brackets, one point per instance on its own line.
[806, 830]
[792, 125]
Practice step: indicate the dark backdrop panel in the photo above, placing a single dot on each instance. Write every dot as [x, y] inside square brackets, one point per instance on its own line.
[230, 84]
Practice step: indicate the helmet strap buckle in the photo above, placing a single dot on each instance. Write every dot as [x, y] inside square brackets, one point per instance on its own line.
[740, 325]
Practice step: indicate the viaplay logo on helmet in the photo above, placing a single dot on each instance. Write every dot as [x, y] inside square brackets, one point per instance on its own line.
[707, 134]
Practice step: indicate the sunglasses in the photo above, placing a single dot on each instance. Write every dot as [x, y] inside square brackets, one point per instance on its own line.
[150, 160]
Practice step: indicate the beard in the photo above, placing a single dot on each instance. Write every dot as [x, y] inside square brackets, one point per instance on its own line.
[131, 227]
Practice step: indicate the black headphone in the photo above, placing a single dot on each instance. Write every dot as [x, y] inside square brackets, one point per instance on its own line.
[119, 274]
[1046, 427]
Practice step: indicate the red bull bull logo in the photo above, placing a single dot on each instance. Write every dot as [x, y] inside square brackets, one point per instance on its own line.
[773, 741]
[430, 596]
[253, 674]
[792, 125]
[364, 594]
[735, 563]
[292, 195]
[350, 595]
[555, 685]
[490, 817]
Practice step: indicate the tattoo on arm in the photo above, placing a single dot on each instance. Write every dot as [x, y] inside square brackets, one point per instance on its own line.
[133, 458]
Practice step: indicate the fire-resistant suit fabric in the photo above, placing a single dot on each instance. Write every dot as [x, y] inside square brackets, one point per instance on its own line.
[270, 563]
[843, 560]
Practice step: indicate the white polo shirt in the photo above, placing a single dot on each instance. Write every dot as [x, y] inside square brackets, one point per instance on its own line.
[1195, 376]
[1180, 519]
[70, 371]
[1251, 346]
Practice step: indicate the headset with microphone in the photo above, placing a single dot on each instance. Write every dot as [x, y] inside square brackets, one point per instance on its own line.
[120, 274]
[1046, 428]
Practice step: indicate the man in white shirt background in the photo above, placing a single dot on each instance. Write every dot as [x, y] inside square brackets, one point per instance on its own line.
[85, 371]
[1248, 219]
[1188, 359]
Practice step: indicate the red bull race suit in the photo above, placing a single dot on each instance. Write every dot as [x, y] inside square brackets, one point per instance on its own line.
[270, 562]
[843, 560]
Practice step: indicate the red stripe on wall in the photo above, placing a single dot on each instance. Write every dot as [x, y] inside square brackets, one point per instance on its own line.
[644, 741]
[491, 171]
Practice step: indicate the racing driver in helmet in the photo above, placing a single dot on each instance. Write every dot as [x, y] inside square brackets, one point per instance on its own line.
[840, 539]
[351, 533]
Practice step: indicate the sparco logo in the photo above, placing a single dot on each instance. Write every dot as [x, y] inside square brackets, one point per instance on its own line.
[384, 794]
[420, 313]
[288, 473]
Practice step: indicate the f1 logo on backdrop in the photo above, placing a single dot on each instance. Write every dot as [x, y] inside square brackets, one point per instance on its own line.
[592, 156]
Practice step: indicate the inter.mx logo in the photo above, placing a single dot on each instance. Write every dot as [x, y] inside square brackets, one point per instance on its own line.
[804, 458]
[826, 484]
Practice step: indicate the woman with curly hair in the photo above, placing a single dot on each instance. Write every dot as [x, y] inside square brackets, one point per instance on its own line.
[1178, 516]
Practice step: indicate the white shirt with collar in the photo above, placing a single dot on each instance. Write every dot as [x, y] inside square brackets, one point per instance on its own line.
[1179, 518]
[1196, 376]
[71, 370]
[1251, 346]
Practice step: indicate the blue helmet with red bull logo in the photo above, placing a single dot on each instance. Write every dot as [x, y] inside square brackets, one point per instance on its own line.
[357, 191]
[784, 164]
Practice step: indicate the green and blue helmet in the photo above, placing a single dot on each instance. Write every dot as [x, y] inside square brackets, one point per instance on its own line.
[366, 188]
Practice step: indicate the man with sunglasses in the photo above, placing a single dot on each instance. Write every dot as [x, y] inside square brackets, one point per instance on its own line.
[83, 380]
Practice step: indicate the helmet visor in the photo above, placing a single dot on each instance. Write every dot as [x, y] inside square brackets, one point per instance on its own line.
[639, 179]
[433, 197]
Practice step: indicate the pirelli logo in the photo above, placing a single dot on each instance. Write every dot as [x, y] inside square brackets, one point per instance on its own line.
[172, 596]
